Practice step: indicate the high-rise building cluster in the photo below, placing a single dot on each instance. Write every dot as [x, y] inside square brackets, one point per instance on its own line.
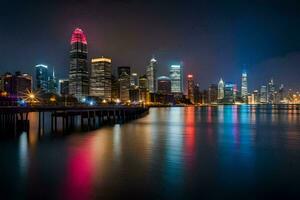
[92, 80]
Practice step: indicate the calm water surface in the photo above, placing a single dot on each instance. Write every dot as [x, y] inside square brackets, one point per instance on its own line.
[223, 152]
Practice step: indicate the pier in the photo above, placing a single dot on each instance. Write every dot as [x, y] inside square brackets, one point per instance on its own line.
[14, 119]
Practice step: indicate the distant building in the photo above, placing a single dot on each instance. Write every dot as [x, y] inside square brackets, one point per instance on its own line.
[151, 75]
[53, 85]
[255, 97]
[271, 92]
[143, 82]
[213, 93]
[100, 78]
[63, 87]
[244, 88]
[229, 93]
[78, 72]
[191, 88]
[281, 93]
[122, 69]
[115, 88]
[197, 94]
[124, 81]
[41, 78]
[176, 76]
[221, 90]
[134, 93]
[134, 80]
[16, 85]
[163, 85]
[263, 94]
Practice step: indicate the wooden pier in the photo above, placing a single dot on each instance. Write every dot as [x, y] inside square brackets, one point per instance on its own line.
[15, 119]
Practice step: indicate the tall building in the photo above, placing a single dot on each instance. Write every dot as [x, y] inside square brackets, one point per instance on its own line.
[134, 79]
[115, 88]
[144, 92]
[151, 75]
[143, 82]
[221, 89]
[63, 87]
[271, 92]
[122, 69]
[52, 85]
[41, 77]
[213, 93]
[197, 93]
[100, 78]
[229, 93]
[163, 85]
[176, 77]
[263, 94]
[16, 85]
[190, 88]
[124, 81]
[78, 72]
[244, 88]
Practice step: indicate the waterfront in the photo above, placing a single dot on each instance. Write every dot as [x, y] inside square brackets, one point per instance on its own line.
[181, 152]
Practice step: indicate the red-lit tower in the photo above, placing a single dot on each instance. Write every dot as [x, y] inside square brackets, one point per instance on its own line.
[78, 73]
[190, 88]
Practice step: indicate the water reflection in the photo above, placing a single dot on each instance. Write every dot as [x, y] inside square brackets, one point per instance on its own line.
[171, 153]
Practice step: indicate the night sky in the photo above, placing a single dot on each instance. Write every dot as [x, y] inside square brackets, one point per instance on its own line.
[212, 39]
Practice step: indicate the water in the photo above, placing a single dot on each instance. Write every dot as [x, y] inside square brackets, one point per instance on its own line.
[224, 152]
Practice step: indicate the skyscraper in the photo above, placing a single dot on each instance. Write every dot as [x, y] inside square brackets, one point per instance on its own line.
[213, 93]
[78, 72]
[271, 92]
[244, 88]
[100, 78]
[134, 79]
[63, 87]
[52, 85]
[221, 89]
[41, 78]
[124, 81]
[151, 75]
[229, 93]
[176, 79]
[263, 94]
[163, 85]
[190, 88]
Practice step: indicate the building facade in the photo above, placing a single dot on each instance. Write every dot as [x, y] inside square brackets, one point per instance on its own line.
[163, 85]
[213, 93]
[176, 76]
[100, 78]
[63, 85]
[191, 88]
[263, 94]
[151, 75]
[41, 78]
[16, 85]
[221, 90]
[124, 81]
[244, 88]
[78, 72]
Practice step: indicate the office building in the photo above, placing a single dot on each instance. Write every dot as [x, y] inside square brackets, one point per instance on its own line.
[41, 78]
[229, 93]
[134, 80]
[163, 85]
[78, 72]
[221, 90]
[122, 69]
[244, 88]
[100, 78]
[263, 94]
[124, 81]
[271, 92]
[176, 76]
[190, 88]
[63, 87]
[213, 93]
[151, 75]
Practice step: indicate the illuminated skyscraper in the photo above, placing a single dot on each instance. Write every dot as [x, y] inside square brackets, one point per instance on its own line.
[122, 69]
[244, 89]
[151, 75]
[124, 81]
[63, 87]
[229, 93]
[221, 89]
[78, 72]
[176, 77]
[213, 93]
[271, 92]
[190, 88]
[134, 79]
[100, 78]
[263, 94]
[53, 85]
[41, 77]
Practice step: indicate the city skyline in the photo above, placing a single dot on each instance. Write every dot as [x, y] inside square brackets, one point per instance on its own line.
[206, 53]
